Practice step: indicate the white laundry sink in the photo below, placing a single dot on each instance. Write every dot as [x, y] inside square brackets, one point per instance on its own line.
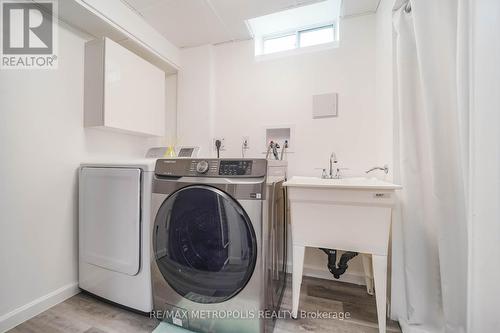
[350, 214]
[343, 183]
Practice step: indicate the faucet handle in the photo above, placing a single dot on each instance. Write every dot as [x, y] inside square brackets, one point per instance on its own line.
[338, 173]
[324, 174]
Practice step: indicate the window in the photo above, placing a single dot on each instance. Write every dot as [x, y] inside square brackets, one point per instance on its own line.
[281, 43]
[298, 39]
[316, 36]
[289, 30]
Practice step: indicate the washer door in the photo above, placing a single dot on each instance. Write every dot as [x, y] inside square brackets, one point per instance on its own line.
[204, 244]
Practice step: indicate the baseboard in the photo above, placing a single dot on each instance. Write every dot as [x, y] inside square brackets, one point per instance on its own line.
[348, 277]
[27, 311]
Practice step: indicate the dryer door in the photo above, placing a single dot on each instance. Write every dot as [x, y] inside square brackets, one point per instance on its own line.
[204, 244]
[110, 218]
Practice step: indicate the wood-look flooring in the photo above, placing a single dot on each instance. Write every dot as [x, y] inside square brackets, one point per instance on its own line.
[84, 313]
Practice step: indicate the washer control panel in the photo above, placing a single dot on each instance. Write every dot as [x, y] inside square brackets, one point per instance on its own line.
[223, 168]
[235, 168]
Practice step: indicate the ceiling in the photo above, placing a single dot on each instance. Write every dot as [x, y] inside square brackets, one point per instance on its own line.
[188, 23]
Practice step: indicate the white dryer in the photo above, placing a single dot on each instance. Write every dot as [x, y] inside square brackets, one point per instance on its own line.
[114, 231]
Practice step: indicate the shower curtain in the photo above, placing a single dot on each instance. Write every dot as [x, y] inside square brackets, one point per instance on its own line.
[431, 162]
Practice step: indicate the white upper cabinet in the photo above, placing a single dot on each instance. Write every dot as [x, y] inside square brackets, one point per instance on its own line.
[122, 90]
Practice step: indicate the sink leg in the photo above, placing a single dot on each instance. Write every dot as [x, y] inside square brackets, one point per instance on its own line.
[380, 275]
[298, 267]
[367, 267]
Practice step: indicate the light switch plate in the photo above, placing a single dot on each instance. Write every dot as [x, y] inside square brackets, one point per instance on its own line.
[325, 105]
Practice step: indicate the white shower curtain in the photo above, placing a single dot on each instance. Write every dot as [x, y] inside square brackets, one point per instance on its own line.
[430, 228]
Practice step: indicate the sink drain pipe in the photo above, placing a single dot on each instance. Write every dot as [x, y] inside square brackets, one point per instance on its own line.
[337, 271]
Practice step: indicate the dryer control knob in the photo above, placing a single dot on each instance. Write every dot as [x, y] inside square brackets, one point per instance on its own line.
[202, 167]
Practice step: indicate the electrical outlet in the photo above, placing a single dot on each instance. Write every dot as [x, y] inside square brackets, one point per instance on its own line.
[246, 142]
[222, 146]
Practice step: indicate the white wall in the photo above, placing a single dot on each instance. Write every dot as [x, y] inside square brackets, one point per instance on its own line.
[42, 142]
[253, 94]
[171, 106]
[195, 98]
[250, 95]
[384, 81]
[484, 229]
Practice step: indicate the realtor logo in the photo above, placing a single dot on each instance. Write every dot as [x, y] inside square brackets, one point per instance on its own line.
[28, 34]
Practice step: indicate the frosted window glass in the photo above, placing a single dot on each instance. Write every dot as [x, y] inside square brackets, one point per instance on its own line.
[279, 44]
[316, 36]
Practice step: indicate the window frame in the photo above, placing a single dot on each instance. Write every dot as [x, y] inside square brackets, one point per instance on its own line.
[297, 32]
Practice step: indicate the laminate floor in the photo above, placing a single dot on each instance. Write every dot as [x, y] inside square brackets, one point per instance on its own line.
[84, 313]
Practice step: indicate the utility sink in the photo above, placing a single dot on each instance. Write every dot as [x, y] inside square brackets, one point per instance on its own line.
[361, 183]
[350, 214]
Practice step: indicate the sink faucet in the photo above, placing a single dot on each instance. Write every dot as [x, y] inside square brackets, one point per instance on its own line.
[334, 170]
[385, 168]
[333, 160]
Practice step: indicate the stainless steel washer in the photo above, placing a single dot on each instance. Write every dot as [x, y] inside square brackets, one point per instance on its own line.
[209, 242]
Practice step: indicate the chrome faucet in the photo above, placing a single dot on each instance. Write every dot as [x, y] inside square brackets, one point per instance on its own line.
[334, 169]
[385, 168]
[333, 160]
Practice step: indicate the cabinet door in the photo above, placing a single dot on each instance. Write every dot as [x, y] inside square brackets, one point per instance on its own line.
[134, 92]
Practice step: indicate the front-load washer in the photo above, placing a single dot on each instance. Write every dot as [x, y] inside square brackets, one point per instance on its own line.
[209, 244]
[114, 231]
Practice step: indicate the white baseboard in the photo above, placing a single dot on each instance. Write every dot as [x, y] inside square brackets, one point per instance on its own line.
[27, 311]
[315, 272]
